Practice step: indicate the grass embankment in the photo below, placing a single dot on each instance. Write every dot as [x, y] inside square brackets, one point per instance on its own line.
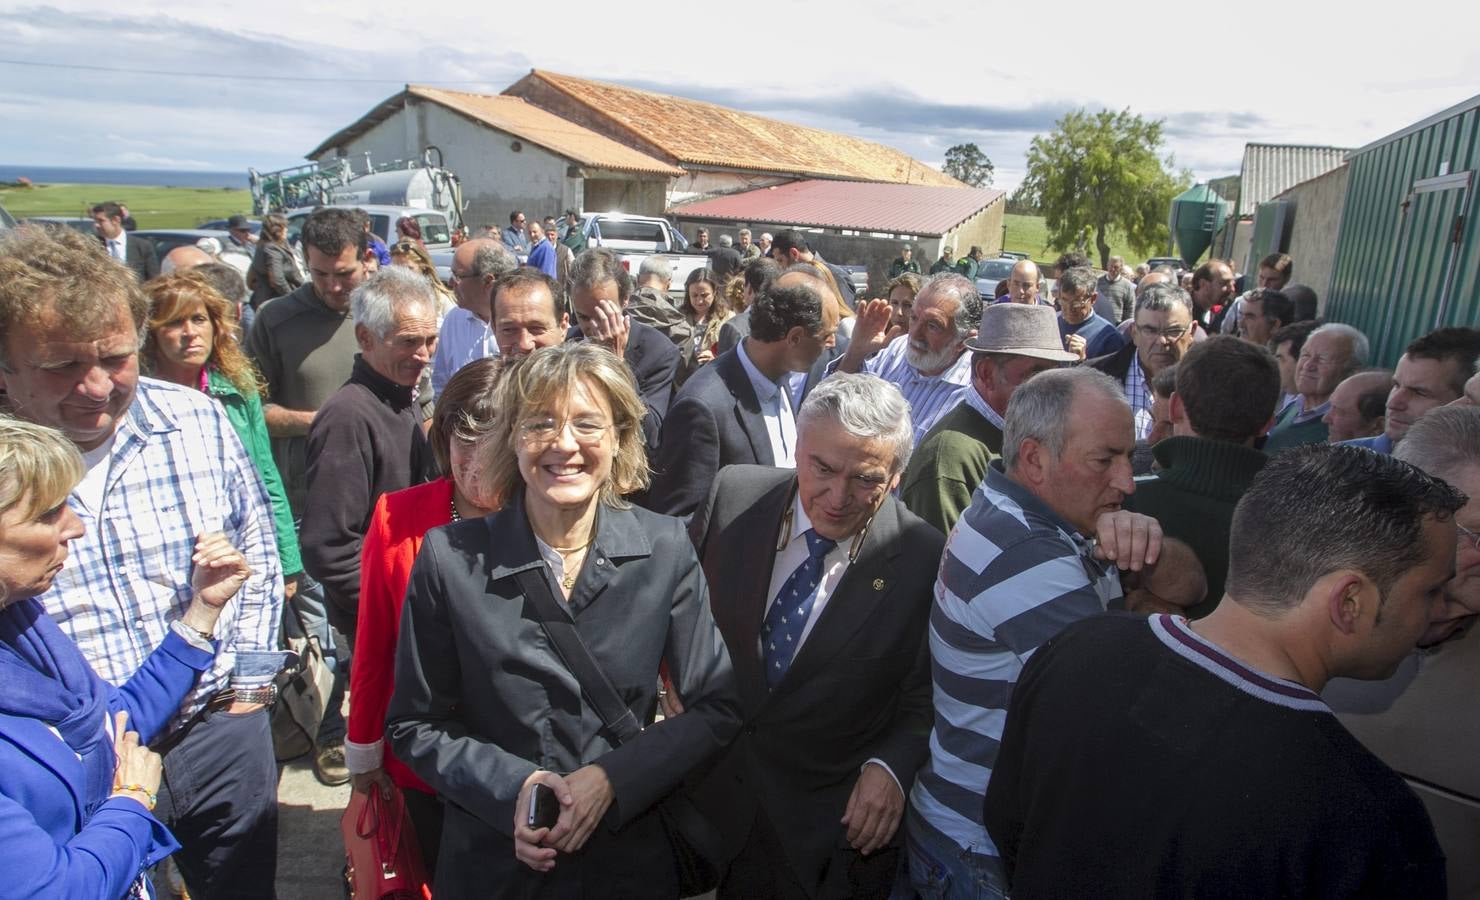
[151, 207]
[1028, 234]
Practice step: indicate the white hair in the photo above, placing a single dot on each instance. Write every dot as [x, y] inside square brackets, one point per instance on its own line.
[389, 291]
[1359, 344]
[656, 267]
[867, 407]
[1039, 409]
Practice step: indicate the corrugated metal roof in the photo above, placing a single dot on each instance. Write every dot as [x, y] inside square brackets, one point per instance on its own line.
[1270, 169]
[523, 120]
[699, 133]
[860, 206]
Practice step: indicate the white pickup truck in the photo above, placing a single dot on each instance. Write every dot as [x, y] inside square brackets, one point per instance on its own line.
[635, 238]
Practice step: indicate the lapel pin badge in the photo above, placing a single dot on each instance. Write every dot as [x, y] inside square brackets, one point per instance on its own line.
[878, 584]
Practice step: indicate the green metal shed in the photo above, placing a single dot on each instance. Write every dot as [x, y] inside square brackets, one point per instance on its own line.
[1408, 253]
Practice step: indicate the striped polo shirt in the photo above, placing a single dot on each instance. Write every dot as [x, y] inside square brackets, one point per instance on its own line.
[929, 396]
[1013, 575]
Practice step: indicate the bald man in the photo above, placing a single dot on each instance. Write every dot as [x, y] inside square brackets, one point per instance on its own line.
[466, 332]
[1359, 406]
[1022, 285]
[187, 257]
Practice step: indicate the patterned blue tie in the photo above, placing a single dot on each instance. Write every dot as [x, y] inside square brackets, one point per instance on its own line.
[782, 632]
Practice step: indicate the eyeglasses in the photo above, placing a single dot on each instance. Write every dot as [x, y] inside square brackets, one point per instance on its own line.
[544, 429]
[1171, 332]
[1471, 536]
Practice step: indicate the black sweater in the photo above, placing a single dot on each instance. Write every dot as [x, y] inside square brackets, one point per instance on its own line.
[366, 440]
[1140, 761]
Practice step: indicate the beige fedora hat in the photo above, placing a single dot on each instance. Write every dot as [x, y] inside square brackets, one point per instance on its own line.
[1020, 330]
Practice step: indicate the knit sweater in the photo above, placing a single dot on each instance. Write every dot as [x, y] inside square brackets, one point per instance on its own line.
[1193, 497]
[1288, 433]
[949, 465]
[366, 440]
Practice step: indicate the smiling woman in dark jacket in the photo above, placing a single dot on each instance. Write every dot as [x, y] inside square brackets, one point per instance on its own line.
[484, 707]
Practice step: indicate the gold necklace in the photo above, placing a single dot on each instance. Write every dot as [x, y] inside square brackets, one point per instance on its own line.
[568, 579]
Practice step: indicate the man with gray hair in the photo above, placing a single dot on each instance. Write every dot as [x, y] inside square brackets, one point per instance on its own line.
[1162, 331]
[1038, 549]
[467, 332]
[1331, 353]
[748, 249]
[930, 365]
[820, 583]
[368, 438]
[650, 305]
[1412, 720]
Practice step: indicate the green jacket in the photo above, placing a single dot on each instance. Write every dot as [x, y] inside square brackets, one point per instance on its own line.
[949, 465]
[245, 414]
[1193, 496]
[1286, 434]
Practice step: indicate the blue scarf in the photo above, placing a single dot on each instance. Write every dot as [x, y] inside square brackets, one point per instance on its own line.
[44, 676]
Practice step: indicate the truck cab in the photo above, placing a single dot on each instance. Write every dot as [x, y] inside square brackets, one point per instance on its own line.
[436, 231]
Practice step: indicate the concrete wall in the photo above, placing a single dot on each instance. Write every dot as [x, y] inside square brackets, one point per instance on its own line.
[983, 229]
[496, 178]
[1318, 205]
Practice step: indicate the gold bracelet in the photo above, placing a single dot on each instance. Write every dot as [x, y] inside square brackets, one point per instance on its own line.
[138, 789]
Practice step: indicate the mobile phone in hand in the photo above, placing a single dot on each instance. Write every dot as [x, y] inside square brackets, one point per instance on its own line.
[544, 807]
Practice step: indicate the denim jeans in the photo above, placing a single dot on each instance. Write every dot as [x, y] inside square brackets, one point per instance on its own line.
[938, 869]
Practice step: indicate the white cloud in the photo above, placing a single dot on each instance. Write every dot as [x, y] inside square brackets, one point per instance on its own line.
[1222, 76]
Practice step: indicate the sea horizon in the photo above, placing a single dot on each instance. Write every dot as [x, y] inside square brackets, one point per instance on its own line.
[133, 177]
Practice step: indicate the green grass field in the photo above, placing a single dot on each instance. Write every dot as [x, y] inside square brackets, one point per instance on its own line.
[1028, 234]
[152, 207]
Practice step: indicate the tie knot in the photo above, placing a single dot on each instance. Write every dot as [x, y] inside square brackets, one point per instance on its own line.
[817, 545]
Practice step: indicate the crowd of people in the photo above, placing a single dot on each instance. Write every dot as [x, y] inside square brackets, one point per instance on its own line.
[777, 590]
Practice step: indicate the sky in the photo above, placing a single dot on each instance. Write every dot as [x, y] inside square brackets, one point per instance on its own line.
[227, 86]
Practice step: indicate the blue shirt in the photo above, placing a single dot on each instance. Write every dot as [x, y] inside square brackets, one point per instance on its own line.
[515, 239]
[542, 257]
[1381, 443]
[1100, 337]
[1014, 574]
[463, 339]
[176, 469]
[930, 396]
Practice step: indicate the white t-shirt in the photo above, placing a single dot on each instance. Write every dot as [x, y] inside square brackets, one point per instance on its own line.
[90, 491]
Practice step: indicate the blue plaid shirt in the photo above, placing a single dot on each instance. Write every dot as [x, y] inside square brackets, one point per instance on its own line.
[176, 469]
[1138, 394]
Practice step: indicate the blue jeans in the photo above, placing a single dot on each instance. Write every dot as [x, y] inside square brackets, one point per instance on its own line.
[938, 869]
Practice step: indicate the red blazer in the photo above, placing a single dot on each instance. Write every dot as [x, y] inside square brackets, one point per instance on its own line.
[400, 521]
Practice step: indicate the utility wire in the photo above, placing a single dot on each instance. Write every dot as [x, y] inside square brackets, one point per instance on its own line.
[254, 77]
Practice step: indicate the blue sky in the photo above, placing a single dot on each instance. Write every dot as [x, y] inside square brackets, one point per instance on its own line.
[260, 84]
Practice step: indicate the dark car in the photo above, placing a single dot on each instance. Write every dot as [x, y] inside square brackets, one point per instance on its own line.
[85, 226]
[167, 239]
[220, 225]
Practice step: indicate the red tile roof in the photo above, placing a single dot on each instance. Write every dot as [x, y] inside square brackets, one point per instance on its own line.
[524, 120]
[698, 133]
[860, 206]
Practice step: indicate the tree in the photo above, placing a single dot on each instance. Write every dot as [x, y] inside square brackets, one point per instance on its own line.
[1102, 171]
[967, 163]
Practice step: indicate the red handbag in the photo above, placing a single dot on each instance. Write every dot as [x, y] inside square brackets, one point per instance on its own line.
[381, 858]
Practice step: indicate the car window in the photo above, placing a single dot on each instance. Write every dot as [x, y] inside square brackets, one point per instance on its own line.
[434, 228]
[995, 269]
[295, 227]
[622, 230]
[380, 226]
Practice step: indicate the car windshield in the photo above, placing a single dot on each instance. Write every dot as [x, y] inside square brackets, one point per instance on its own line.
[995, 268]
[434, 228]
[624, 230]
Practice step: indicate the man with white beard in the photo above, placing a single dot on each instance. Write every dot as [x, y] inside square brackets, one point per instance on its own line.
[930, 365]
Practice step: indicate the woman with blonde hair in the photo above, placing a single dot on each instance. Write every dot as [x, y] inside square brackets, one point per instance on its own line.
[190, 339]
[486, 707]
[274, 271]
[413, 255]
[707, 308]
[78, 782]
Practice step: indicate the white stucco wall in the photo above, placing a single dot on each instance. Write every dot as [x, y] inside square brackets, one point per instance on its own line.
[496, 179]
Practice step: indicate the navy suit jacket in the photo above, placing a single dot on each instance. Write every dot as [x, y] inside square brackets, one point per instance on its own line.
[138, 255]
[654, 362]
[715, 421]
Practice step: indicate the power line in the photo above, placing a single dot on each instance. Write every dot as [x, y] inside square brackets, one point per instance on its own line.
[254, 77]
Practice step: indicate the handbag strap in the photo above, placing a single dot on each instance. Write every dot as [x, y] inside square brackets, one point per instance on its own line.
[573, 651]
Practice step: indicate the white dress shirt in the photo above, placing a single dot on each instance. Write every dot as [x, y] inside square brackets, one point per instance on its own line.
[834, 566]
[118, 247]
[781, 424]
[463, 338]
